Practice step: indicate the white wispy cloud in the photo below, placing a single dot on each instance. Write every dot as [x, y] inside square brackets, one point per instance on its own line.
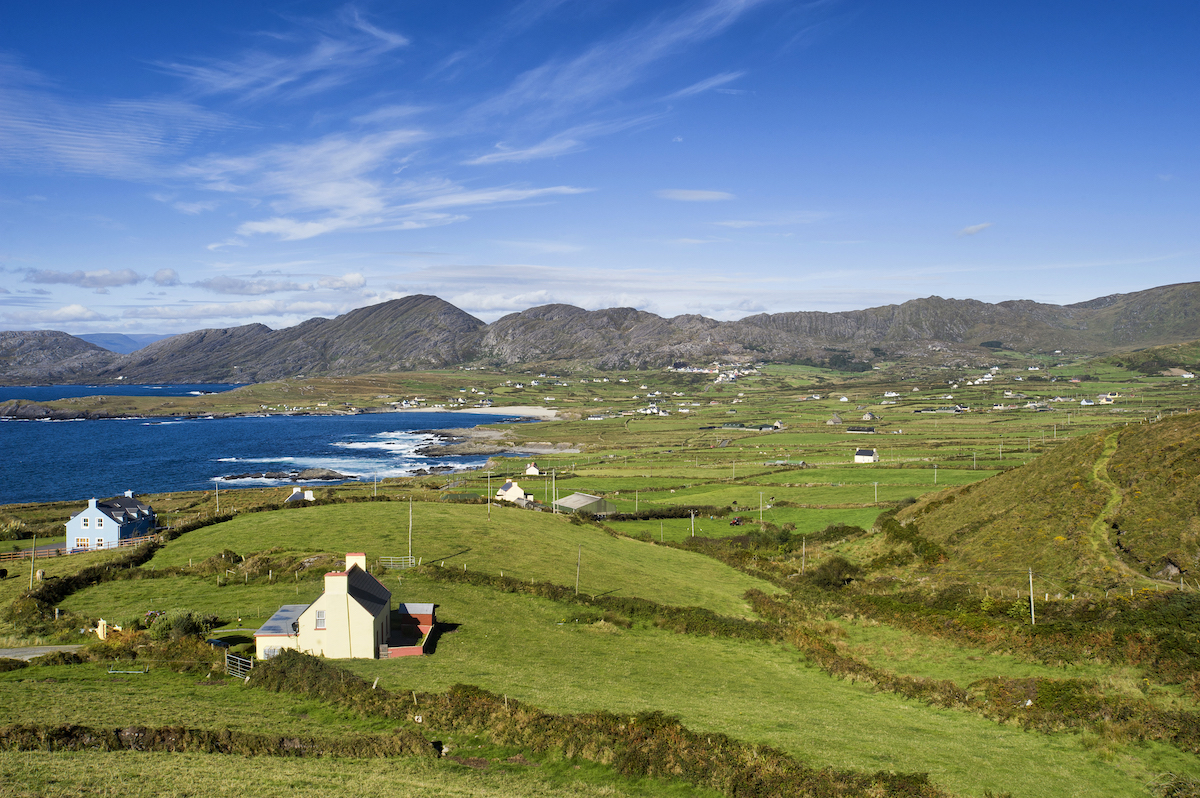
[194, 208]
[224, 284]
[342, 182]
[346, 282]
[608, 68]
[101, 278]
[549, 148]
[166, 277]
[43, 128]
[706, 84]
[233, 310]
[67, 313]
[973, 229]
[692, 195]
[330, 55]
[568, 141]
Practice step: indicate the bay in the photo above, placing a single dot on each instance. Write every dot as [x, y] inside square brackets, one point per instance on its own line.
[75, 460]
[48, 393]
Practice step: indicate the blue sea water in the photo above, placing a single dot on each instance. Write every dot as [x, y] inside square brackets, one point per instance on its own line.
[48, 393]
[68, 460]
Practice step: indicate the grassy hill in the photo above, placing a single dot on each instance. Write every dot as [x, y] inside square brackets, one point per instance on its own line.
[1106, 510]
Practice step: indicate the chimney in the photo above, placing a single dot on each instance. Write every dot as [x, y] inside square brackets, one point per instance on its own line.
[356, 558]
[336, 583]
[128, 494]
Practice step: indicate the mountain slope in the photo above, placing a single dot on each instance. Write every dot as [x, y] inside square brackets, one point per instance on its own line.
[408, 333]
[1092, 514]
[121, 343]
[42, 356]
[426, 332]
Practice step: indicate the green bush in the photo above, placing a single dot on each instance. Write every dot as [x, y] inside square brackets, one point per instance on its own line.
[835, 573]
[179, 623]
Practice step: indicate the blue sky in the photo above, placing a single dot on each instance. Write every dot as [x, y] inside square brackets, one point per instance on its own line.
[170, 166]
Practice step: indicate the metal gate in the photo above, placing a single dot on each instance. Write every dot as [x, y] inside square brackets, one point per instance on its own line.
[237, 666]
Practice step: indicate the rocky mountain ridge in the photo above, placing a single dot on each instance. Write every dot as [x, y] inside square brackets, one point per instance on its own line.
[419, 332]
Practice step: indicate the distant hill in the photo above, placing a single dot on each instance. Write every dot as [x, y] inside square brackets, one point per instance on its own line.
[45, 356]
[409, 333]
[426, 332]
[1114, 502]
[121, 343]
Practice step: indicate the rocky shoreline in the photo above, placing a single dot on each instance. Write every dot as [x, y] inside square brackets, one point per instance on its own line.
[307, 475]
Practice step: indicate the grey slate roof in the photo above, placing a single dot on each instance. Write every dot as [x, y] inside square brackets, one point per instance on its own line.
[367, 591]
[281, 622]
[123, 509]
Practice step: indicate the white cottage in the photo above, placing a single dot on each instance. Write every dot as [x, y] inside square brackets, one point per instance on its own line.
[866, 456]
[350, 620]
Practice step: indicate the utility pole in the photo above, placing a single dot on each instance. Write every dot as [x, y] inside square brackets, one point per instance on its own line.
[803, 555]
[635, 500]
[578, 563]
[1032, 621]
[32, 559]
[693, 512]
[217, 492]
[489, 496]
[410, 530]
[935, 473]
[760, 508]
[877, 493]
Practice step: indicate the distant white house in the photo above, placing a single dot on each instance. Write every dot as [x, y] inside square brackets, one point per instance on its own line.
[532, 470]
[104, 524]
[512, 492]
[300, 495]
[866, 456]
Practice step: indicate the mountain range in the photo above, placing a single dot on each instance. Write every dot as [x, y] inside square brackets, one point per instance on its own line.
[420, 332]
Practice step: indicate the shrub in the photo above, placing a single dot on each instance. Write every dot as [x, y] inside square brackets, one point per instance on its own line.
[835, 573]
[178, 624]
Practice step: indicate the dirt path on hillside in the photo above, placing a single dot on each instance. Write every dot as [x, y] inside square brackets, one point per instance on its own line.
[1100, 526]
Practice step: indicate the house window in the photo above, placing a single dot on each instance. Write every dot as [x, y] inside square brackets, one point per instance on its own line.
[82, 543]
[85, 523]
[320, 619]
[99, 522]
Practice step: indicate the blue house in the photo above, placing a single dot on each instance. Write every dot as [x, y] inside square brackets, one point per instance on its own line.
[104, 524]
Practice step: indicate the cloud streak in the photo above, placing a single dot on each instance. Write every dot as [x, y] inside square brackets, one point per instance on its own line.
[332, 56]
[102, 278]
[692, 195]
[974, 229]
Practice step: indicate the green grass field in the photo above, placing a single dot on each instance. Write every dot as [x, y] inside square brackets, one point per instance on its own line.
[536, 650]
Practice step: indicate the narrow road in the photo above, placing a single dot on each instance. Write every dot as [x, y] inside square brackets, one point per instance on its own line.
[29, 652]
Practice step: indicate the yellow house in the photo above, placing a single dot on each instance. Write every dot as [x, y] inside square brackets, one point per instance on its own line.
[351, 619]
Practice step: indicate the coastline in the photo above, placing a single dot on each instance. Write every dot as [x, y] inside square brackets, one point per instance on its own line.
[26, 410]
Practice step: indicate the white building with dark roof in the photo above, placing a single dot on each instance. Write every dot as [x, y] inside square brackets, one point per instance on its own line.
[104, 524]
[350, 620]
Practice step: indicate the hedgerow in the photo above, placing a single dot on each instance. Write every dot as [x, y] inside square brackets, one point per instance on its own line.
[179, 739]
[647, 744]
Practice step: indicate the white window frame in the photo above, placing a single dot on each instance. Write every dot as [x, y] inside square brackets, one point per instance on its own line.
[83, 543]
[99, 522]
[320, 619]
[85, 523]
